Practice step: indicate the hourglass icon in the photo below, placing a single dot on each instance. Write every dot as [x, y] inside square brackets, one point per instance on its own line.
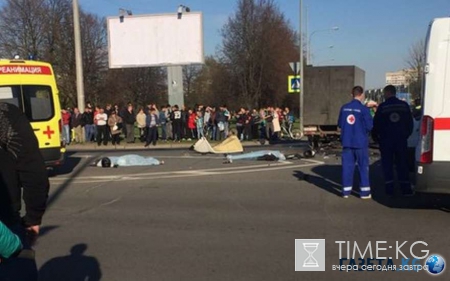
[311, 248]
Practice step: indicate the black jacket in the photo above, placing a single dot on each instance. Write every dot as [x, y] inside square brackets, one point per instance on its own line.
[184, 116]
[129, 117]
[76, 120]
[22, 167]
[87, 118]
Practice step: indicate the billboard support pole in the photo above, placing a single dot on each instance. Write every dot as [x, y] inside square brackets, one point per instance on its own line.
[302, 78]
[78, 56]
[175, 85]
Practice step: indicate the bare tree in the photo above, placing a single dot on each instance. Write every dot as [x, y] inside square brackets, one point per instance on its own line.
[22, 27]
[190, 73]
[416, 62]
[140, 86]
[212, 85]
[44, 29]
[258, 43]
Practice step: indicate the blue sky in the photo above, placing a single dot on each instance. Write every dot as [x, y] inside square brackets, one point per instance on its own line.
[373, 34]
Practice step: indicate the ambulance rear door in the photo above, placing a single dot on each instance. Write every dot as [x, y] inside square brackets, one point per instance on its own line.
[433, 151]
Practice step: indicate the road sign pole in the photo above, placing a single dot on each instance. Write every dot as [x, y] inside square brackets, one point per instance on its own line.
[302, 77]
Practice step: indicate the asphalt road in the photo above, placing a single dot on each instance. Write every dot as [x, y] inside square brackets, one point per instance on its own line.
[195, 218]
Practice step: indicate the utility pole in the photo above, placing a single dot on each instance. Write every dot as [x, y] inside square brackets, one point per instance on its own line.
[302, 78]
[306, 32]
[78, 55]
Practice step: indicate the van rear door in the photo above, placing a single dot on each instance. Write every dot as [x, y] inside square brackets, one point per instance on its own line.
[433, 151]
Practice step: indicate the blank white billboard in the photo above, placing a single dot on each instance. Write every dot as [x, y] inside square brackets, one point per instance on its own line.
[155, 40]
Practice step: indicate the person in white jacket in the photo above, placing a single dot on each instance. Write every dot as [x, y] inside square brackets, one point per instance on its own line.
[276, 123]
[141, 123]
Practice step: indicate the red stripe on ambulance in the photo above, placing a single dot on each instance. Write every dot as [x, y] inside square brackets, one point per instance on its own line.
[442, 124]
[25, 69]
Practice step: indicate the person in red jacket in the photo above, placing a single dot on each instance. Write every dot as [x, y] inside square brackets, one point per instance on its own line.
[65, 116]
[191, 124]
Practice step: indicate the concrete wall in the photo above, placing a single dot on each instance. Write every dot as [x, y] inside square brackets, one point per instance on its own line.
[327, 88]
[360, 77]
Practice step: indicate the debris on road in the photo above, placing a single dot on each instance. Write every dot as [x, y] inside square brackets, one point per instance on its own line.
[263, 155]
[294, 149]
[230, 145]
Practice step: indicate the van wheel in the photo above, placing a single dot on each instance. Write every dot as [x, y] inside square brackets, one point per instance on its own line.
[297, 134]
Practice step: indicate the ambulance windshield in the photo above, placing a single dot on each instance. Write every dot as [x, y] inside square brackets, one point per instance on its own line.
[35, 100]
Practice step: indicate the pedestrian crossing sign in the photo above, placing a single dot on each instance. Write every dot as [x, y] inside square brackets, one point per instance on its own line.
[294, 84]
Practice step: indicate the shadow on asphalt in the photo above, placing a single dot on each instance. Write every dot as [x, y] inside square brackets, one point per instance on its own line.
[70, 163]
[74, 267]
[321, 182]
[328, 178]
[44, 230]
[75, 169]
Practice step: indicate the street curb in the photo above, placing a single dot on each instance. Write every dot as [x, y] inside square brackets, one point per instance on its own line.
[139, 146]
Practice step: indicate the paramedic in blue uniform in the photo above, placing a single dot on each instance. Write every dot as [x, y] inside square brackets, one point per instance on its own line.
[393, 124]
[355, 123]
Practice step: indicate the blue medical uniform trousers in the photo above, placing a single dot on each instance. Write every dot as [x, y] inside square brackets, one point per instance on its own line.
[395, 153]
[350, 158]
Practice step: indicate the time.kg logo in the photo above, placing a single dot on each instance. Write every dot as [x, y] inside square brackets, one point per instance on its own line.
[309, 254]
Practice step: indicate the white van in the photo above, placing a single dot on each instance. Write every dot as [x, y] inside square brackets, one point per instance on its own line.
[433, 149]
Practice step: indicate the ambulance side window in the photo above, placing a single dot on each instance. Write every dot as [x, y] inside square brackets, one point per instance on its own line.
[12, 95]
[38, 102]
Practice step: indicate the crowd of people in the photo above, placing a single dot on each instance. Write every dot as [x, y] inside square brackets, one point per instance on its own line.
[151, 123]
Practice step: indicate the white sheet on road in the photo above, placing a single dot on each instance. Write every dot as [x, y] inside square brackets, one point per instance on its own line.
[131, 160]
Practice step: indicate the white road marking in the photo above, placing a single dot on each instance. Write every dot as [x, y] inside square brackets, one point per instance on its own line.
[218, 156]
[125, 176]
[189, 173]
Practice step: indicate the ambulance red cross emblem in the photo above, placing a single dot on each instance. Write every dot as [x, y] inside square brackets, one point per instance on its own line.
[351, 119]
[49, 132]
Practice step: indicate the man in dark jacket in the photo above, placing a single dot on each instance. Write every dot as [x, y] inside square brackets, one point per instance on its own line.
[88, 122]
[175, 117]
[77, 125]
[129, 118]
[393, 124]
[221, 119]
[163, 121]
[184, 123]
[23, 175]
[152, 122]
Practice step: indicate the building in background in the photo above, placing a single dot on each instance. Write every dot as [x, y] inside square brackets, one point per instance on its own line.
[377, 95]
[401, 78]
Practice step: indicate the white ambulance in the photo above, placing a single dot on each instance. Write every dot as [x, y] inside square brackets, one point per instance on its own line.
[433, 149]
